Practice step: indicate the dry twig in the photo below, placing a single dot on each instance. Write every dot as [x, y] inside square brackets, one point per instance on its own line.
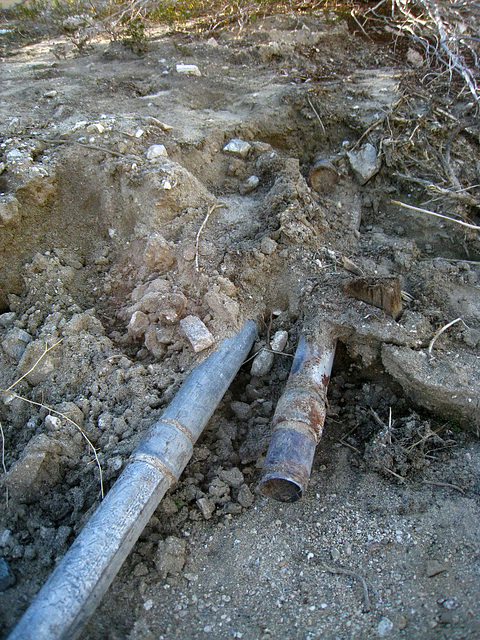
[439, 333]
[346, 572]
[437, 215]
[3, 461]
[205, 220]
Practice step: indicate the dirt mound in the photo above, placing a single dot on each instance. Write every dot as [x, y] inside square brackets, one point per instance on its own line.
[148, 211]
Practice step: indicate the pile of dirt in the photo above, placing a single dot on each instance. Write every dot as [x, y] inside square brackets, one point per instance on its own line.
[150, 205]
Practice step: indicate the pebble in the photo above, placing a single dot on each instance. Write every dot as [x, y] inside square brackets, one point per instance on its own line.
[335, 553]
[197, 333]
[7, 579]
[238, 148]
[188, 69]
[158, 253]
[249, 185]
[245, 496]
[384, 627]
[242, 410]
[268, 245]
[170, 556]
[9, 211]
[222, 306]
[138, 324]
[206, 507]
[263, 361]
[434, 567]
[156, 151]
[233, 477]
[15, 343]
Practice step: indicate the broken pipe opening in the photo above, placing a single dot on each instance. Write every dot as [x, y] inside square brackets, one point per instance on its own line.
[298, 421]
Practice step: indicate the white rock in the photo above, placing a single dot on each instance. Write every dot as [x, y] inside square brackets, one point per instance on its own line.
[279, 341]
[138, 324]
[197, 333]
[238, 148]
[365, 162]
[249, 185]
[188, 69]
[139, 133]
[156, 151]
[384, 627]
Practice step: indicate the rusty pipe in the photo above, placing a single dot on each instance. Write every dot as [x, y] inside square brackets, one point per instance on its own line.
[298, 421]
[75, 588]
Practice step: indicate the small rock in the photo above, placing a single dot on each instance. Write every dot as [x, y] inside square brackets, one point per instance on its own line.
[365, 162]
[95, 127]
[219, 491]
[245, 496]
[44, 367]
[138, 324]
[262, 363]
[242, 410]
[170, 556]
[7, 319]
[384, 627]
[233, 477]
[335, 554]
[268, 245]
[9, 211]
[238, 148]
[401, 622]
[222, 306]
[188, 69]
[152, 342]
[207, 507]
[471, 337]
[279, 341]
[37, 469]
[7, 579]
[197, 333]
[158, 253]
[15, 154]
[434, 567]
[15, 343]
[249, 185]
[156, 151]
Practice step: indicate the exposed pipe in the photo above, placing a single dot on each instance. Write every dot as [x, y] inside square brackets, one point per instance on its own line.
[75, 588]
[298, 421]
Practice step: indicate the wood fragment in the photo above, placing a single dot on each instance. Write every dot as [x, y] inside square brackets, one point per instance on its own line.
[384, 293]
[444, 484]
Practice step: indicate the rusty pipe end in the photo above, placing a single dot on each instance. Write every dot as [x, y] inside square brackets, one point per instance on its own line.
[288, 465]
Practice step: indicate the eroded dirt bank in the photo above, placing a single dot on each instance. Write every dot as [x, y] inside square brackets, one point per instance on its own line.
[135, 197]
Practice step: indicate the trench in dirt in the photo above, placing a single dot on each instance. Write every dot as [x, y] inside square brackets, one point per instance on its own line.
[110, 252]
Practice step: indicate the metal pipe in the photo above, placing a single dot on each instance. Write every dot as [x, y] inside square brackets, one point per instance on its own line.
[75, 588]
[298, 422]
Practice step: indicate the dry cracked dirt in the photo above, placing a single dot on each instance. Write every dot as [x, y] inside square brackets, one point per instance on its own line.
[146, 211]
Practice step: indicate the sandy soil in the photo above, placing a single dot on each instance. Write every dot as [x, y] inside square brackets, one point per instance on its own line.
[108, 242]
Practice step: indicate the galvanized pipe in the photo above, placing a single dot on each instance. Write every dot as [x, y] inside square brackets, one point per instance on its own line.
[75, 588]
[298, 421]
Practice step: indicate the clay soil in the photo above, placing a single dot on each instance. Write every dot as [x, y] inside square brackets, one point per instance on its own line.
[107, 246]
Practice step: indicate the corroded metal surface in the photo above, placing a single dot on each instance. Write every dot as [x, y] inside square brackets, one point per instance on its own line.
[298, 422]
